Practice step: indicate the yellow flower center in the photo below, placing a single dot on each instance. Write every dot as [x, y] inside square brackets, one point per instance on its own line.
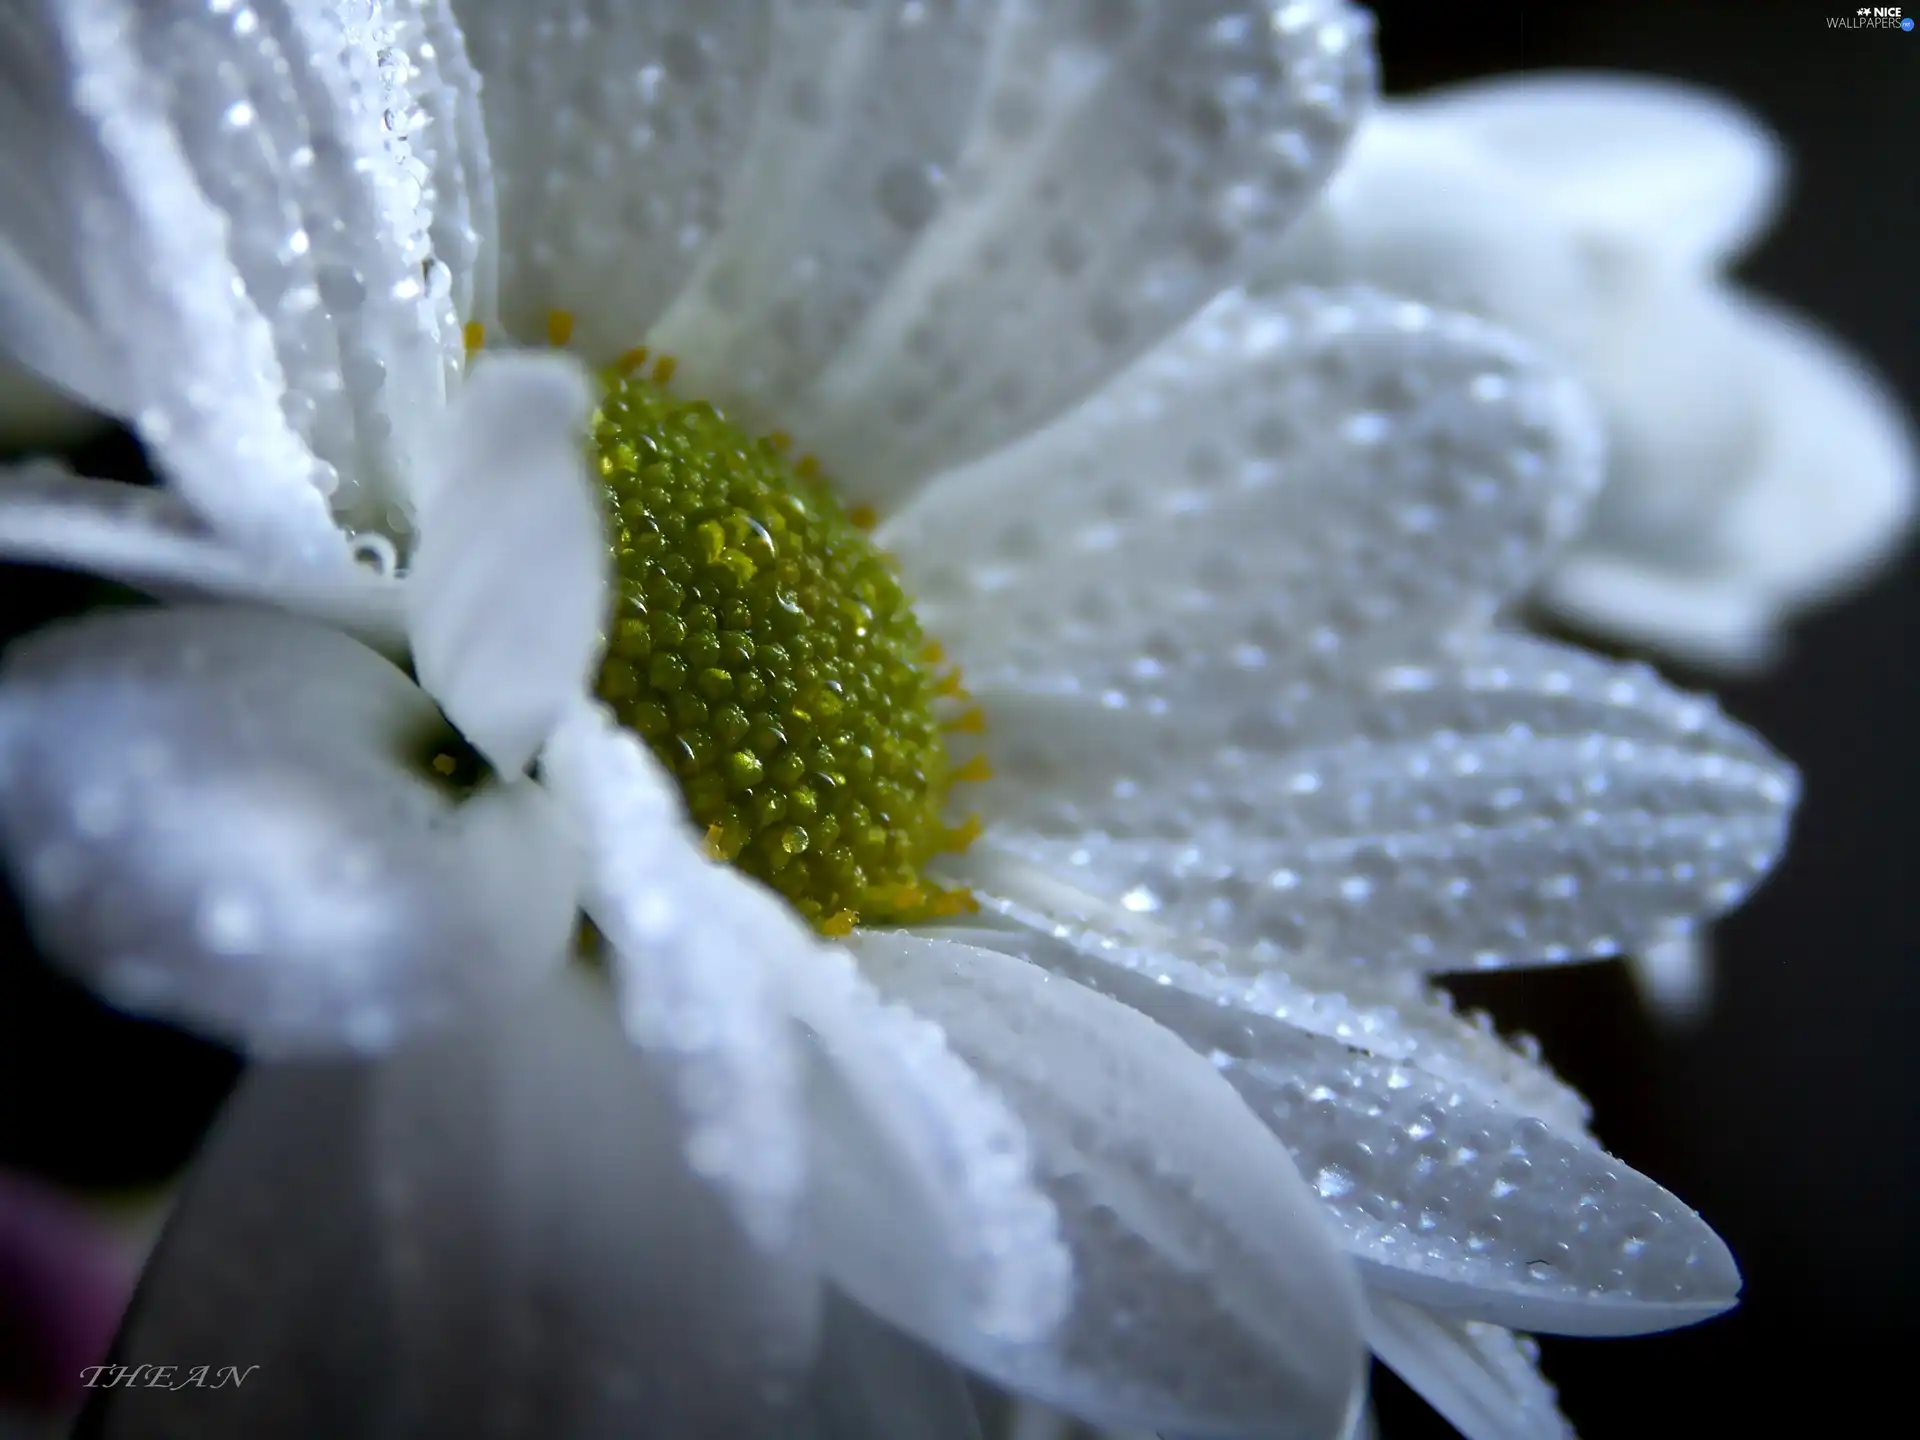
[762, 646]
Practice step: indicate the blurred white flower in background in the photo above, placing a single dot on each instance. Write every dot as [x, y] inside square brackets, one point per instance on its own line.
[1756, 466]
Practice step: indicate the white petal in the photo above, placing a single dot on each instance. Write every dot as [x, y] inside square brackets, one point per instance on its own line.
[427, 63]
[697, 954]
[1290, 489]
[1485, 1380]
[615, 129]
[1700, 619]
[1395, 1016]
[1444, 1194]
[1514, 803]
[1675, 976]
[1651, 162]
[508, 586]
[374, 213]
[154, 540]
[1419, 210]
[120, 278]
[860, 124]
[1708, 536]
[219, 817]
[922, 1193]
[489, 1234]
[1672, 371]
[1832, 492]
[1207, 1296]
[1126, 165]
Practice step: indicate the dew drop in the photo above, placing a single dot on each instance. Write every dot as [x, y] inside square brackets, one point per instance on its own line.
[909, 193]
[1332, 1182]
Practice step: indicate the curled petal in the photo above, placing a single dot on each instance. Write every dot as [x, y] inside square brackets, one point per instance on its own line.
[1485, 1380]
[923, 1195]
[225, 818]
[119, 246]
[1207, 1296]
[153, 540]
[696, 954]
[233, 246]
[508, 588]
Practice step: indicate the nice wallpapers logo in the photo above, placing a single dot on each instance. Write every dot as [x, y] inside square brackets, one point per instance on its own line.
[1871, 17]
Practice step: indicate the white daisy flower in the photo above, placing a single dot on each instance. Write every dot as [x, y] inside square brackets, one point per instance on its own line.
[1249, 757]
[1756, 466]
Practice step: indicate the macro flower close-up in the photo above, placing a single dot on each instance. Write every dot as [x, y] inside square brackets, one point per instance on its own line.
[821, 749]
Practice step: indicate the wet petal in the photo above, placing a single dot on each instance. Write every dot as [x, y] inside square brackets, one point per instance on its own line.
[615, 129]
[1291, 489]
[428, 65]
[1485, 1380]
[507, 593]
[1392, 1015]
[697, 951]
[224, 818]
[1207, 1295]
[248, 267]
[1651, 162]
[1448, 1196]
[861, 119]
[120, 277]
[485, 1234]
[1514, 803]
[922, 1193]
[153, 540]
[1126, 163]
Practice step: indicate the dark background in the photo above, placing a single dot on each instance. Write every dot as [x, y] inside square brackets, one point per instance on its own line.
[1788, 1116]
